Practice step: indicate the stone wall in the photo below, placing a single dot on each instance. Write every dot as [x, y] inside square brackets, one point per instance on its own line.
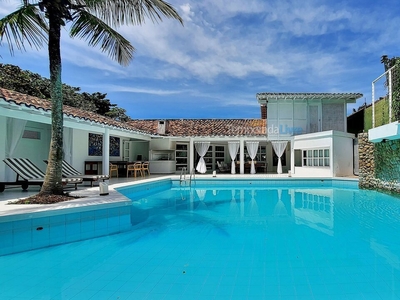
[366, 162]
[379, 164]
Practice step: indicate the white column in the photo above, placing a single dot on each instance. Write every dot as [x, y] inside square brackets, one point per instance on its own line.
[106, 151]
[191, 155]
[241, 157]
[292, 167]
[3, 142]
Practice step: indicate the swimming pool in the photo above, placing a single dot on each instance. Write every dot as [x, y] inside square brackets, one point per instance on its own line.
[248, 240]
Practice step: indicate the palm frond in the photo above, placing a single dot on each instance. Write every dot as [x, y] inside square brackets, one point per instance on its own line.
[96, 32]
[25, 25]
[124, 12]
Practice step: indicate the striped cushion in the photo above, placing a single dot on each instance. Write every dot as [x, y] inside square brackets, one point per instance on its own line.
[68, 170]
[30, 172]
[24, 168]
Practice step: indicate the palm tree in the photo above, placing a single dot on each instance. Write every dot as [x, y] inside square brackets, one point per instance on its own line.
[39, 22]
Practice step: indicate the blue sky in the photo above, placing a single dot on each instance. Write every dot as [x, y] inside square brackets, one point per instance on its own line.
[229, 50]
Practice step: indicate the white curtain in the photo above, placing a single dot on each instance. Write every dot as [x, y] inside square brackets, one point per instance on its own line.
[279, 148]
[233, 148]
[201, 148]
[67, 145]
[15, 130]
[252, 148]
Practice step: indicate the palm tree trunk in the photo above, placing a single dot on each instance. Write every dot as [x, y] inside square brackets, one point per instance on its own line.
[53, 180]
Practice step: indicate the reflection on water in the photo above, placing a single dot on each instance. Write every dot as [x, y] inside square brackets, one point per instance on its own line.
[227, 243]
[354, 218]
[314, 208]
[310, 207]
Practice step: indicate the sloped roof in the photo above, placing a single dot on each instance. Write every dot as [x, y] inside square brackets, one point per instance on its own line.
[205, 127]
[175, 128]
[36, 103]
[349, 97]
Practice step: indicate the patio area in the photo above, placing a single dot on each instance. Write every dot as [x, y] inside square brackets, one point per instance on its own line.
[15, 192]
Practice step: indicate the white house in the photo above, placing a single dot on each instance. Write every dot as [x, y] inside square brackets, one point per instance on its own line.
[315, 128]
[298, 127]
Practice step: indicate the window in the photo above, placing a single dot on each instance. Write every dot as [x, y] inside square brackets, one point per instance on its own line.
[316, 158]
[30, 134]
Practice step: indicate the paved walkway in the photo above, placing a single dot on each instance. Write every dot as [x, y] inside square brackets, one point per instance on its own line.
[91, 196]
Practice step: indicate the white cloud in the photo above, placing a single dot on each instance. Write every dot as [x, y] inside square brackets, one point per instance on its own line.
[310, 44]
[205, 50]
[186, 14]
[130, 89]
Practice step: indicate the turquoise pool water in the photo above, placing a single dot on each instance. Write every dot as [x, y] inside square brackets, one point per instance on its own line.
[243, 241]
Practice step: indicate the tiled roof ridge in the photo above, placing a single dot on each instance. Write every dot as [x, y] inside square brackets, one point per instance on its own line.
[29, 101]
[176, 127]
[304, 95]
[204, 127]
[309, 93]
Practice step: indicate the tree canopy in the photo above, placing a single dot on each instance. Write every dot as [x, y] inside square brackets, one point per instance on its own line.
[39, 22]
[14, 78]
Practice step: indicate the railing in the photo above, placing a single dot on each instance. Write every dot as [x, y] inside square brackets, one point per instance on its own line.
[388, 74]
[193, 172]
[183, 175]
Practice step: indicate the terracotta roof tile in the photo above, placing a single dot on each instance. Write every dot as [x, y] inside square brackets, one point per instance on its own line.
[177, 127]
[38, 103]
[205, 127]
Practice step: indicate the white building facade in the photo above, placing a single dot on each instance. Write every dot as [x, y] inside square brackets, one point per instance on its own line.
[303, 133]
[315, 128]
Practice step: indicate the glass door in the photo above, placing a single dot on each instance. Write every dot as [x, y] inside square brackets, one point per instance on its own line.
[181, 156]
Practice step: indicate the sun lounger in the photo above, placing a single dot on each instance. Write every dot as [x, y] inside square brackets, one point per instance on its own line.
[69, 171]
[29, 174]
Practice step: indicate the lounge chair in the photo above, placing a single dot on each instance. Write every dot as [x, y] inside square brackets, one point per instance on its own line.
[69, 171]
[29, 174]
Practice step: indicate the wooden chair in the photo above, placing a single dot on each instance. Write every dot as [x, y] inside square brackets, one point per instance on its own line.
[129, 168]
[113, 168]
[145, 168]
[135, 168]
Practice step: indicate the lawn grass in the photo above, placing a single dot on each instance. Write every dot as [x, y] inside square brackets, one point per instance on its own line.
[381, 114]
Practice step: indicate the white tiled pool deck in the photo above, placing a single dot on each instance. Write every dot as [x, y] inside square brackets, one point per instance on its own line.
[91, 196]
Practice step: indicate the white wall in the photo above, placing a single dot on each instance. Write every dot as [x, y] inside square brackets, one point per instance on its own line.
[80, 141]
[340, 147]
[313, 141]
[162, 144]
[343, 155]
[291, 117]
[35, 150]
[286, 119]
[138, 148]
